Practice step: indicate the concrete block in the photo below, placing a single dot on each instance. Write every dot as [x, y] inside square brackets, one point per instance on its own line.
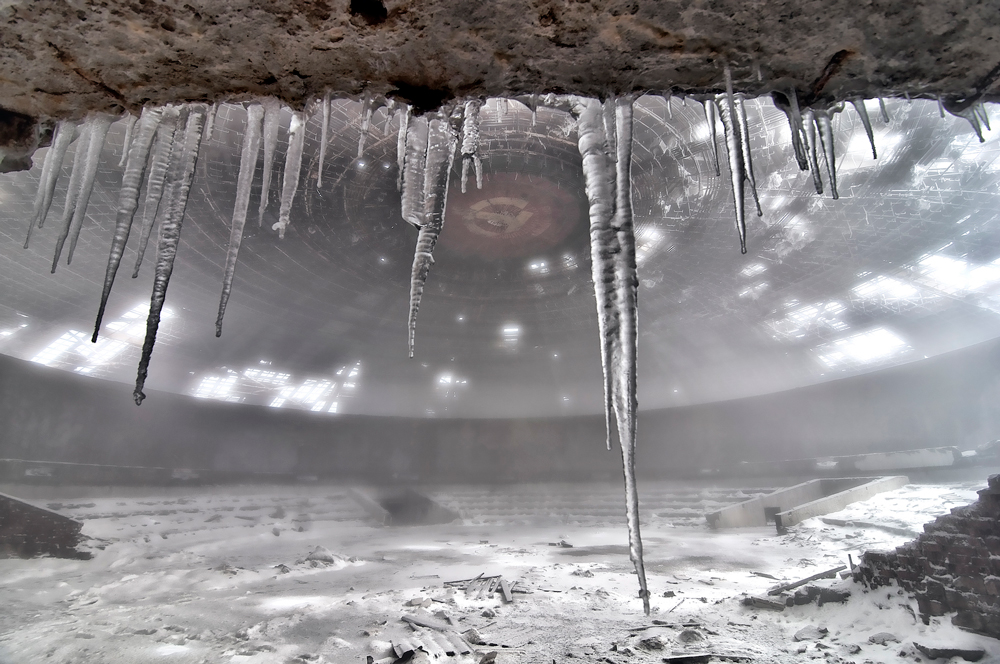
[837, 501]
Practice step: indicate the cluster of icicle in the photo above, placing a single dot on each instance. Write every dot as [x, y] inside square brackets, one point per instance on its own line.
[162, 145]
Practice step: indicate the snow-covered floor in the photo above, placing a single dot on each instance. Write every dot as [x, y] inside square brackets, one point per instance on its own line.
[219, 575]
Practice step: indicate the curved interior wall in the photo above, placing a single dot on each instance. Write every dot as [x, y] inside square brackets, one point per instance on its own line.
[53, 415]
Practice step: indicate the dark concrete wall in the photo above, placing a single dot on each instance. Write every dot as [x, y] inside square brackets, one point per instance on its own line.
[58, 416]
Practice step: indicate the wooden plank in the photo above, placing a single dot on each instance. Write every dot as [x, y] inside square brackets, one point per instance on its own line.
[420, 621]
[508, 596]
[828, 574]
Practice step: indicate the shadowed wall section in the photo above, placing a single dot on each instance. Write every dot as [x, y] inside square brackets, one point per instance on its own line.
[57, 416]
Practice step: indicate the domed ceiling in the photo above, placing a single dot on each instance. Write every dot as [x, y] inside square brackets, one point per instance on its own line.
[905, 265]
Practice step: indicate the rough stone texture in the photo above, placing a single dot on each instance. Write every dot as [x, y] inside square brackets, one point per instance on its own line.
[953, 566]
[62, 58]
[27, 530]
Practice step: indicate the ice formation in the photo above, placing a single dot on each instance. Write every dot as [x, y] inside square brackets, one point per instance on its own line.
[859, 105]
[324, 134]
[741, 113]
[613, 265]
[128, 201]
[81, 182]
[401, 143]
[64, 134]
[737, 167]
[824, 125]
[367, 108]
[470, 143]
[436, 136]
[272, 113]
[709, 105]
[179, 176]
[162, 150]
[127, 141]
[812, 147]
[293, 166]
[248, 161]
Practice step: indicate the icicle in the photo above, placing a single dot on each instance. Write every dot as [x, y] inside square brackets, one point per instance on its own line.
[812, 147]
[610, 132]
[98, 134]
[412, 173]
[129, 127]
[248, 161]
[390, 111]
[600, 186]
[627, 284]
[323, 133]
[470, 143]
[737, 169]
[72, 189]
[64, 134]
[404, 123]
[206, 135]
[128, 201]
[366, 117]
[442, 139]
[157, 174]
[940, 107]
[825, 126]
[710, 109]
[666, 100]
[980, 109]
[293, 165]
[531, 101]
[881, 109]
[859, 106]
[741, 113]
[272, 114]
[181, 172]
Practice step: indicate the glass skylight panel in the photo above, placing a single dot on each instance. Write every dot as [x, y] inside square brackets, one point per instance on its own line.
[865, 348]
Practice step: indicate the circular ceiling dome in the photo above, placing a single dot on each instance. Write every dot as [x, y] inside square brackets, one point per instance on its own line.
[904, 265]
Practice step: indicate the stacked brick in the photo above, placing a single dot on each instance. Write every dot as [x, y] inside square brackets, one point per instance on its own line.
[954, 566]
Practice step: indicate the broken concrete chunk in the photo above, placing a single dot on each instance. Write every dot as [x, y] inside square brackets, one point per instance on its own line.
[473, 637]
[651, 643]
[811, 633]
[324, 555]
[690, 636]
[833, 595]
[883, 638]
[968, 654]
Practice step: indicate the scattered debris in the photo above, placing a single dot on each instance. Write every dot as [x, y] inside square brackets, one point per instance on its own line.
[700, 658]
[652, 643]
[322, 554]
[968, 654]
[883, 638]
[763, 603]
[483, 587]
[561, 543]
[282, 568]
[690, 636]
[583, 572]
[765, 575]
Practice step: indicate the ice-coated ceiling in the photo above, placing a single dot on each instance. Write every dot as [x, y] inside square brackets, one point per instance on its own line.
[906, 264]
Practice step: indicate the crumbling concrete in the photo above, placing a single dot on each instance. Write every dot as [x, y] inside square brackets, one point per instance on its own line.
[63, 59]
[953, 567]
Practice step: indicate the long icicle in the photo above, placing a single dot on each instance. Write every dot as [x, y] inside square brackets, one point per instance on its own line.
[162, 150]
[799, 142]
[293, 166]
[324, 133]
[248, 161]
[859, 105]
[470, 143]
[206, 134]
[127, 141]
[128, 201]
[600, 186]
[741, 113]
[100, 132]
[709, 105]
[412, 172]
[64, 134]
[442, 140]
[825, 126]
[882, 111]
[626, 286]
[367, 108]
[73, 188]
[182, 167]
[272, 114]
[404, 123]
[737, 169]
[812, 147]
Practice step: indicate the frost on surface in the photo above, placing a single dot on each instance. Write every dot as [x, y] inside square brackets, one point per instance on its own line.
[612, 247]
[293, 166]
[65, 132]
[470, 143]
[248, 161]
[272, 114]
[179, 176]
[162, 150]
[128, 201]
[436, 136]
[81, 183]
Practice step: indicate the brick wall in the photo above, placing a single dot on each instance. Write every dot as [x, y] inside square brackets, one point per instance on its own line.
[954, 566]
